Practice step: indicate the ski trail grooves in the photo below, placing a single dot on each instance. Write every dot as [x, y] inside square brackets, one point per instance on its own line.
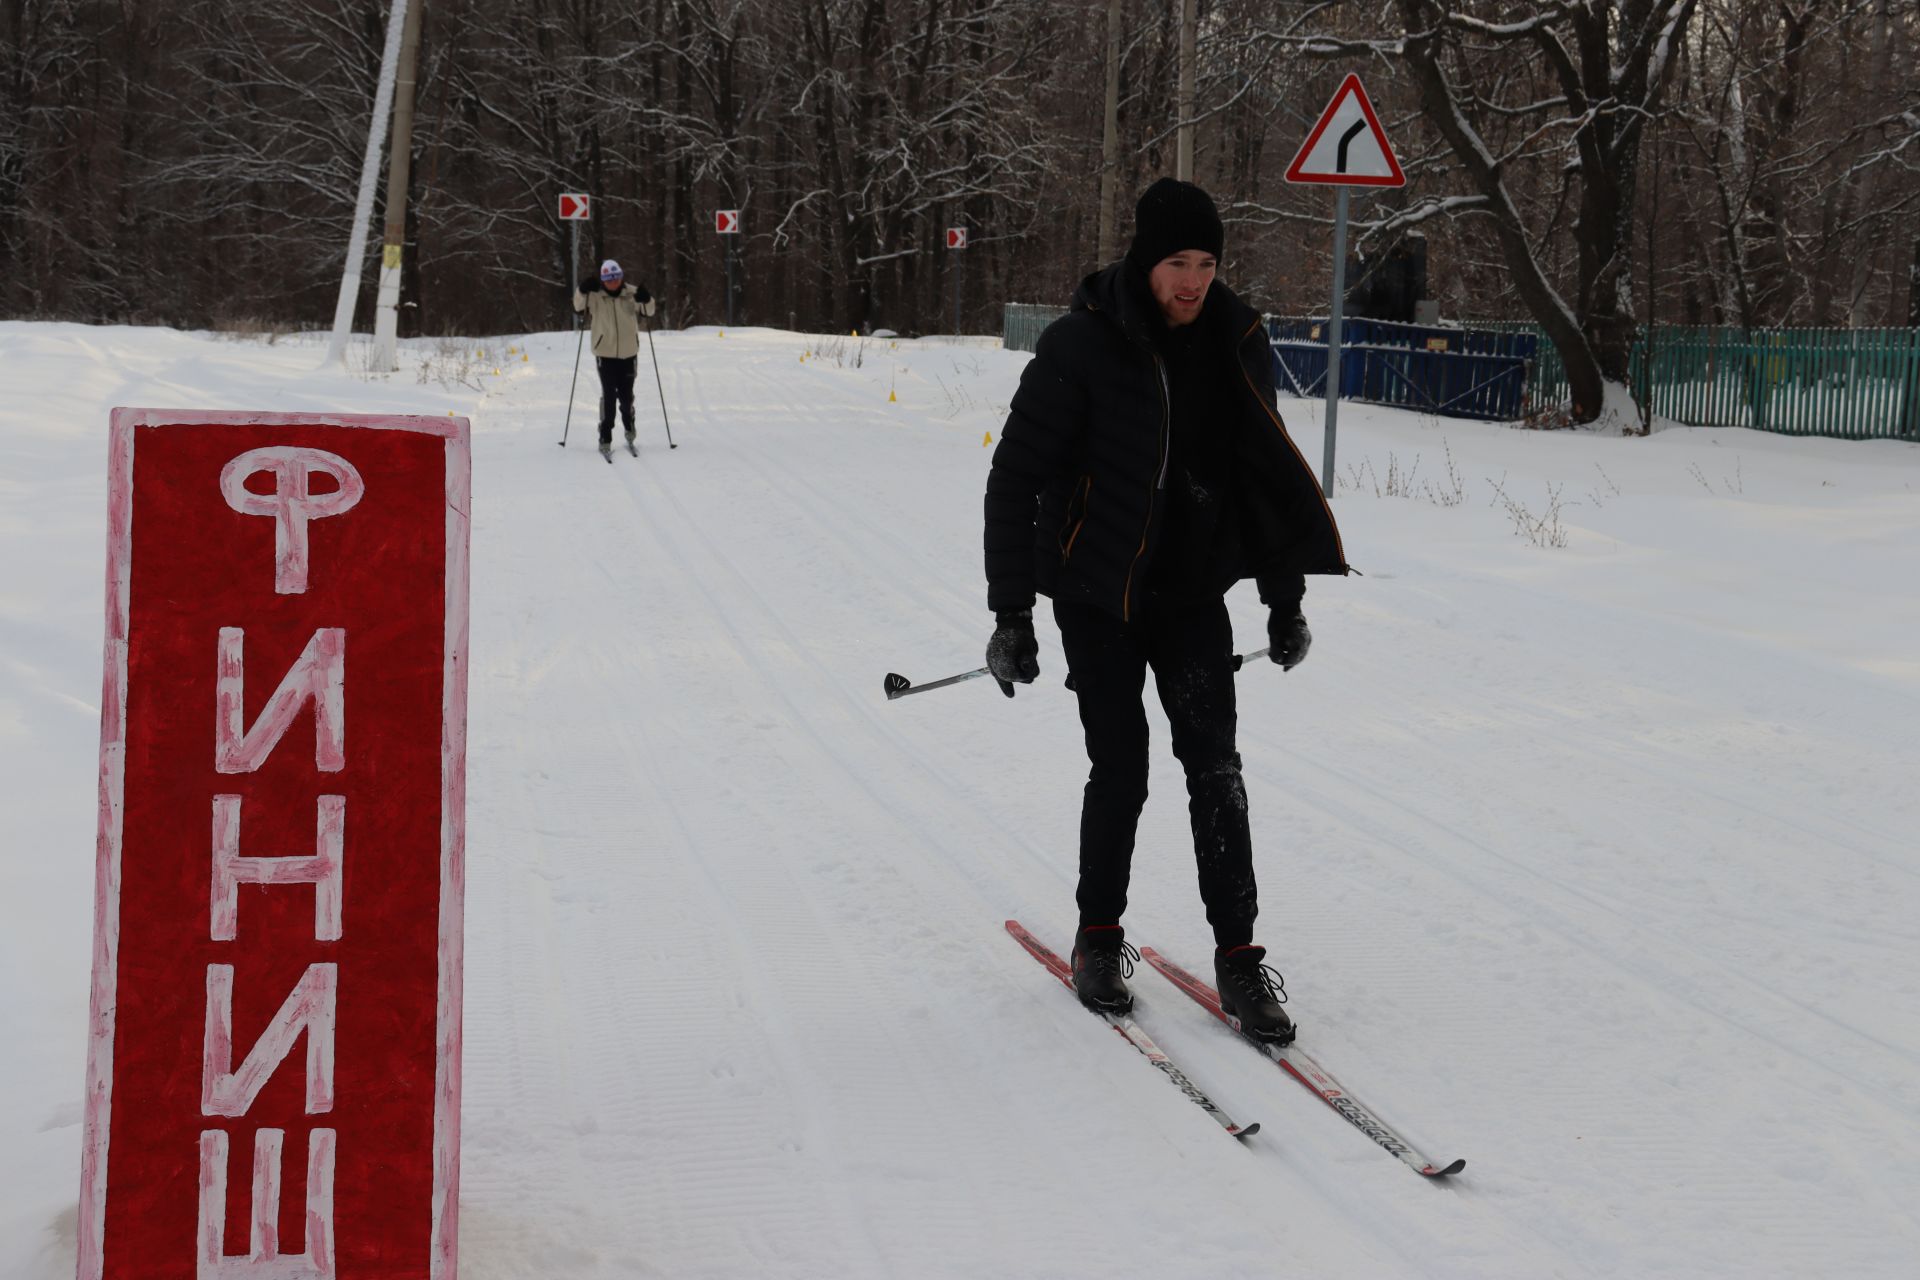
[791, 681]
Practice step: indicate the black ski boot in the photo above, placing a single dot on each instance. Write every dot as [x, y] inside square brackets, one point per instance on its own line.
[1251, 994]
[1102, 962]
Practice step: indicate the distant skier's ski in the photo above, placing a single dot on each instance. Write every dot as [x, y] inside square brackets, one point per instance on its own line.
[633, 448]
[1130, 1031]
[1295, 1062]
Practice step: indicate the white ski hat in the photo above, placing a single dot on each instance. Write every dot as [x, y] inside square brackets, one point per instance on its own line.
[610, 270]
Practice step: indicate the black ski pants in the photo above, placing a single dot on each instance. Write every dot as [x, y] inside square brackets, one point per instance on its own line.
[1190, 650]
[616, 385]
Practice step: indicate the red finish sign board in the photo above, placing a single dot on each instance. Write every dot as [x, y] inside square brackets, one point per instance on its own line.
[273, 1084]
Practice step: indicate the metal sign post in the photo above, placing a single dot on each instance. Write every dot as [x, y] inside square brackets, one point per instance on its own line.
[957, 240]
[726, 222]
[575, 207]
[1335, 315]
[1347, 148]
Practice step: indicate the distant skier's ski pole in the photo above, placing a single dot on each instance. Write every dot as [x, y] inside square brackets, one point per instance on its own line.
[1239, 659]
[575, 384]
[899, 686]
[662, 390]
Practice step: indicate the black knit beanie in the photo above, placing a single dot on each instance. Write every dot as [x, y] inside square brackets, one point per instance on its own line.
[1173, 216]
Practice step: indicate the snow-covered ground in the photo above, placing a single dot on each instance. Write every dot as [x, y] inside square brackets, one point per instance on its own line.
[1596, 863]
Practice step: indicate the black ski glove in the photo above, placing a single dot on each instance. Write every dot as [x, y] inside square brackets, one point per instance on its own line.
[589, 284]
[1288, 636]
[1013, 655]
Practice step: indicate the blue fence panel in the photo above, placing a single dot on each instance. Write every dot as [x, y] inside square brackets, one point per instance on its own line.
[1458, 373]
[1449, 383]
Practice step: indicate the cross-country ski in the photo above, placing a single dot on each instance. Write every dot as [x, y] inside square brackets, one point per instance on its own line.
[1295, 1061]
[1131, 1031]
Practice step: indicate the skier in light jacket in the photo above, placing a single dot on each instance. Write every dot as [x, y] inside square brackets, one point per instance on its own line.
[614, 307]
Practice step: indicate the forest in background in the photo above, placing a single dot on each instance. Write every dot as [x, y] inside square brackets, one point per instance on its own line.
[194, 163]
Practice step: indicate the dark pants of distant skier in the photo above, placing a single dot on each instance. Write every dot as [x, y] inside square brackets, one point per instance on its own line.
[1189, 646]
[616, 384]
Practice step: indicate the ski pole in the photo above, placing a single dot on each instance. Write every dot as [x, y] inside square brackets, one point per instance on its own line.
[662, 390]
[575, 384]
[898, 686]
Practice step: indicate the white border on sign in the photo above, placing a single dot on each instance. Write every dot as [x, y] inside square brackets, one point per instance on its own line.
[106, 898]
[444, 1242]
[453, 872]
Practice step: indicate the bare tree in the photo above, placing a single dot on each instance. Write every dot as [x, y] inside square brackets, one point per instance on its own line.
[195, 162]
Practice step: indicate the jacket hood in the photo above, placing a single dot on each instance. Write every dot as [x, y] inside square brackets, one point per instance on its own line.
[1121, 293]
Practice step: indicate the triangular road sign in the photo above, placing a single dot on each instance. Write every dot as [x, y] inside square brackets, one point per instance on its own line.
[1348, 147]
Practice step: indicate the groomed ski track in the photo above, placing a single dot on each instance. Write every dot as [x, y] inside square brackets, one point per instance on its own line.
[1580, 864]
[799, 1052]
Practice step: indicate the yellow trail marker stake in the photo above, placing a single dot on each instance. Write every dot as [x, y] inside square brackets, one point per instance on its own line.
[986, 439]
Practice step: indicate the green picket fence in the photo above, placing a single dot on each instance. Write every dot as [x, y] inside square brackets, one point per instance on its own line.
[1855, 384]
[1021, 323]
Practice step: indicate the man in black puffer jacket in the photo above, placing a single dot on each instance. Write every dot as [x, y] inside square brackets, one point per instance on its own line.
[1142, 471]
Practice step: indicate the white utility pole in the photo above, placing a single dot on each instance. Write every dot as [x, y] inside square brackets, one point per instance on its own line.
[386, 309]
[369, 171]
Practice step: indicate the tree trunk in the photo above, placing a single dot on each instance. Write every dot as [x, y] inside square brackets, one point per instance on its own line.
[1110, 140]
[1441, 106]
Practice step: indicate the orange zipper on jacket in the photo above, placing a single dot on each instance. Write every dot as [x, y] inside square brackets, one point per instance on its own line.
[1086, 502]
[1159, 482]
